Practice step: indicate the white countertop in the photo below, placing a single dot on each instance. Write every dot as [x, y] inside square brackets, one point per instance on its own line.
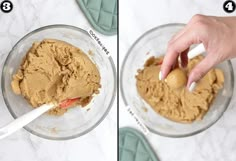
[101, 143]
[218, 143]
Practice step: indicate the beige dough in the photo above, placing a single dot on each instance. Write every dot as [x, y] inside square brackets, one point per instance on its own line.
[53, 71]
[170, 98]
[176, 78]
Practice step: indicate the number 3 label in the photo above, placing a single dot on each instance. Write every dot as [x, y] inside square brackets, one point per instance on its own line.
[229, 6]
[6, 6]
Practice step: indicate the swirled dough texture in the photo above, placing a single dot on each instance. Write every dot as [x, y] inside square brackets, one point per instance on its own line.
[53, 71]
[178, 104]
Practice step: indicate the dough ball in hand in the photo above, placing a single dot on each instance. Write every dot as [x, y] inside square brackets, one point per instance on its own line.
[176, 78]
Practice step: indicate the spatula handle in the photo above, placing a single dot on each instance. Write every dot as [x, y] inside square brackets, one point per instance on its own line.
[24, 120]
[198, 50]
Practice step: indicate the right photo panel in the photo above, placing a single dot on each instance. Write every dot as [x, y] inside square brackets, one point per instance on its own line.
[177, 74]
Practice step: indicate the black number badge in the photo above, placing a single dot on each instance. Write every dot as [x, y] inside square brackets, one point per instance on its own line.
[229, 6]
[6, 6]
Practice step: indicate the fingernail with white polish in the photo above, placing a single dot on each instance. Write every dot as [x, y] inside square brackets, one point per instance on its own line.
[160, 76]
[192, 86]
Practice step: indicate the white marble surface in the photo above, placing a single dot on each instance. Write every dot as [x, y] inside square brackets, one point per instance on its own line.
[100, 144]
[218, 143]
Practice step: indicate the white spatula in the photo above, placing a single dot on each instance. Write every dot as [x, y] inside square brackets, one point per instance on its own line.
[24, 120]
[32, 115]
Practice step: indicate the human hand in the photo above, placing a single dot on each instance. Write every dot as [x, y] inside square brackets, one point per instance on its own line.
[218, 35]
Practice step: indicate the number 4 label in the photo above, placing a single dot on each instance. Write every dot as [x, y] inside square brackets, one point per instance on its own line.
[229, 6]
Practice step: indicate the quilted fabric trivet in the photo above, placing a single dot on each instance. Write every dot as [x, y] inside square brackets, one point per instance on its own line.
[102, 14]
[134, 147]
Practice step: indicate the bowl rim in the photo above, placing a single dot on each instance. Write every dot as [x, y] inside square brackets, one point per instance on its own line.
[77, 134]
[126, 102]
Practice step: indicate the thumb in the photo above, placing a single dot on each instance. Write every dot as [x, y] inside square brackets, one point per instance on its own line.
[199, 71]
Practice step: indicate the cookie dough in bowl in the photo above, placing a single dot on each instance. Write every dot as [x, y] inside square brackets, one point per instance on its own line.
[140, 81]
[54, 63]
[170, 98]
[54, 71]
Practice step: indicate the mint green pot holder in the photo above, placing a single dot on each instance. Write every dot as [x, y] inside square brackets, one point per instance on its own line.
[134, 147]
[102, 14]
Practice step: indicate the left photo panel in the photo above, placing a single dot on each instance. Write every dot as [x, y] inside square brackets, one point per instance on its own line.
[58, 74]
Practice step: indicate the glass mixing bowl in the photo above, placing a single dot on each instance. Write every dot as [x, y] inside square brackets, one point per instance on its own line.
[76, 121]
[154, 43]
